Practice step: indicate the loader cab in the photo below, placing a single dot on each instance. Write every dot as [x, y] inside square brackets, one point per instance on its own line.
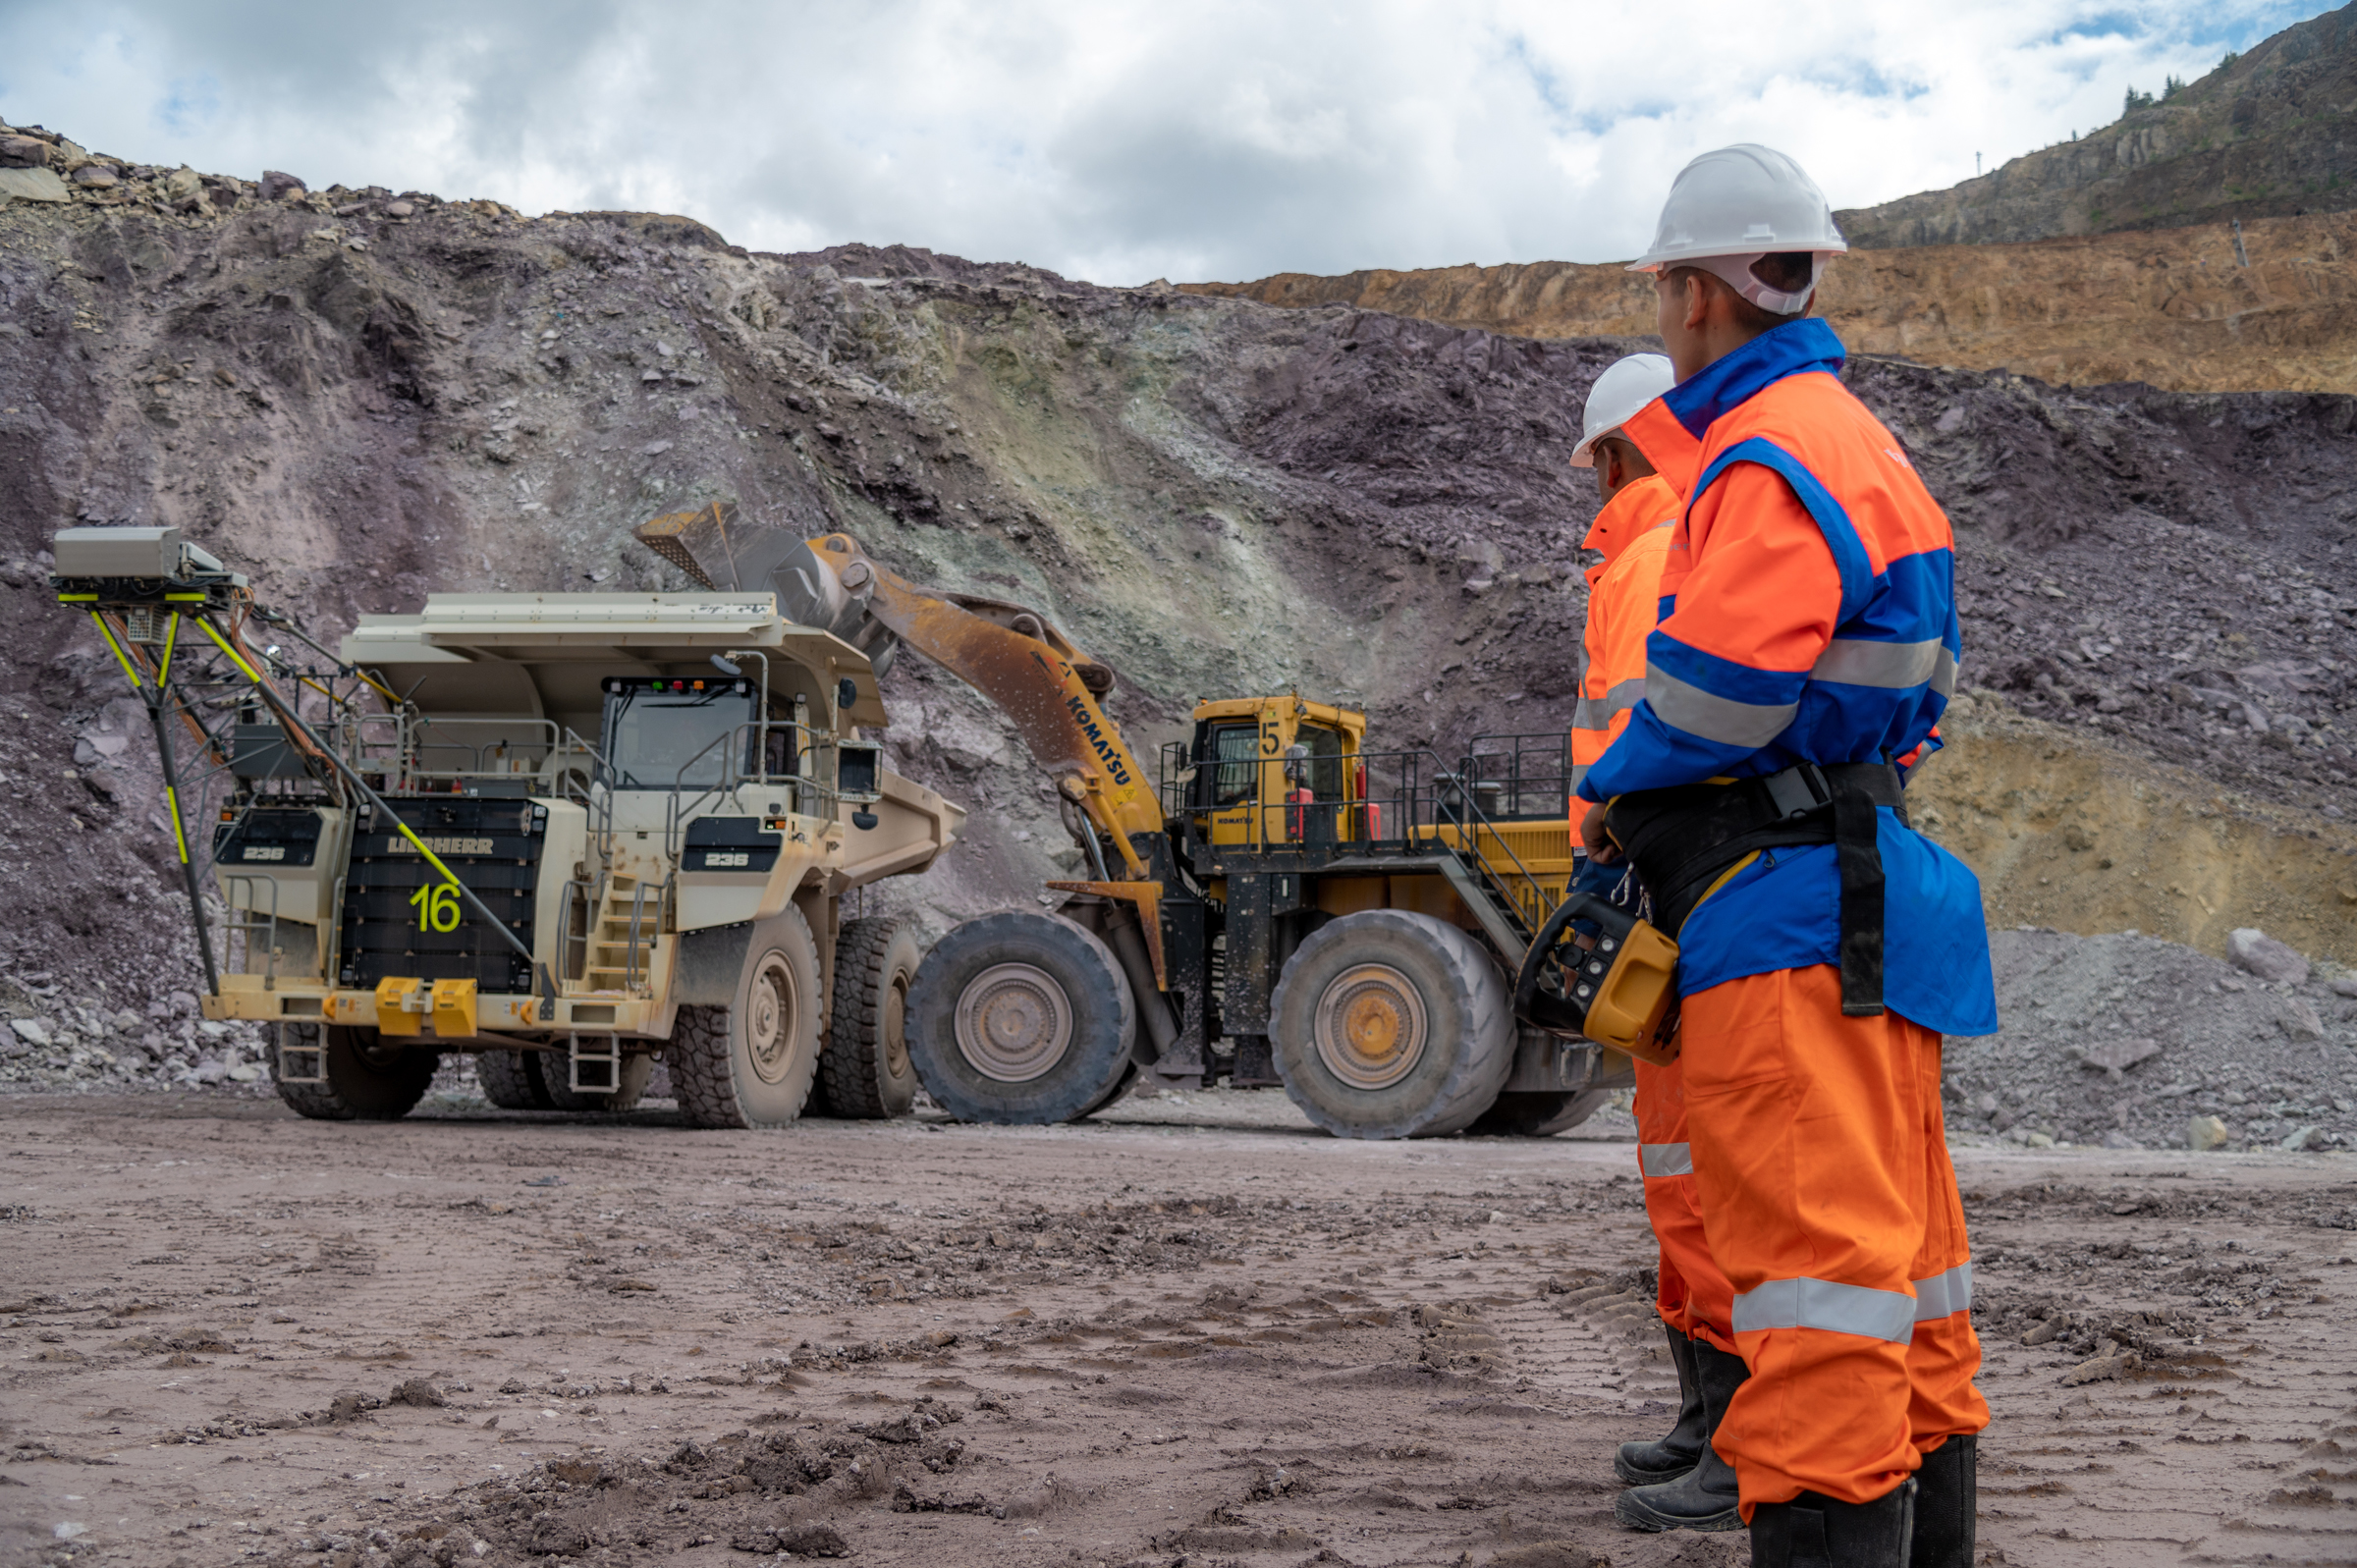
[1273, 770]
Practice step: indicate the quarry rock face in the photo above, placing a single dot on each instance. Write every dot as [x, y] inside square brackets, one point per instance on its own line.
[2177, 308]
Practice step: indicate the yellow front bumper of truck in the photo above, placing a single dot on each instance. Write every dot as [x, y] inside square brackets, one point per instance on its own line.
[408, 1009]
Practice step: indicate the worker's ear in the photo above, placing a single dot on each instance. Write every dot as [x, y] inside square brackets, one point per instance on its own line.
[1700, 286]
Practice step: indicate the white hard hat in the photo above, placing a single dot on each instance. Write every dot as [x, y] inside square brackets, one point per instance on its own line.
[1729, 207]
[1626, 386]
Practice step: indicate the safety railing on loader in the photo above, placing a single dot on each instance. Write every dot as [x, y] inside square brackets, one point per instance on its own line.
[1380, 805]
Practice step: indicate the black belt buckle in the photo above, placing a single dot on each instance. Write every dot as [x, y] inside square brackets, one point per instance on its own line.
[1797, 790]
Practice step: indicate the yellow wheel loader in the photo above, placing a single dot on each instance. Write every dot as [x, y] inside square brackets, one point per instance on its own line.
[1276, 903]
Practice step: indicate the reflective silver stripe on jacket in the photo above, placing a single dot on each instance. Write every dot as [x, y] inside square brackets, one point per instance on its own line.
[1666, 1158]
[1894, 665]
[1823, 1304]
[1597, 713]
[1721, 718]
[1943, 1294]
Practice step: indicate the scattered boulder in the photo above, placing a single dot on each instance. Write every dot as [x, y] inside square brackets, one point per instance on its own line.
[419, 1392]
[23, 152]
[2300, 1020]
[2205, 1132]
[2102, 1369]
[96, 177]
[2262, 956]
[2116, 1057]
[278, 185]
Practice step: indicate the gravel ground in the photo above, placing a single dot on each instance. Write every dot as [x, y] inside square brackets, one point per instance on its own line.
[228, 1336]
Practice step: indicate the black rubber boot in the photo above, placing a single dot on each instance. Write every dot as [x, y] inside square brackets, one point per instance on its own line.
[1649, 1464]
[1813, 1531]
[1705, 1497]
[1947, 1499]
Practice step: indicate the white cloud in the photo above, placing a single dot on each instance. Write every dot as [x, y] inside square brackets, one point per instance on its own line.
[1117, 140]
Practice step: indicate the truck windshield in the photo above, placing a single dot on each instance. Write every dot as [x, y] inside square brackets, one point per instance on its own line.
[655, 728]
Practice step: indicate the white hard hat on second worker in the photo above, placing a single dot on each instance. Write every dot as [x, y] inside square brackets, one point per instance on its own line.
[1735, 205]
[1626, 386]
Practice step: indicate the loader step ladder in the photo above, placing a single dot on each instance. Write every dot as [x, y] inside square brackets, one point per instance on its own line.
[622, 936]
[1491, 904]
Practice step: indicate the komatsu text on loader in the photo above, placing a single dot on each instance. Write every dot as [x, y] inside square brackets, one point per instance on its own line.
[1275, 903]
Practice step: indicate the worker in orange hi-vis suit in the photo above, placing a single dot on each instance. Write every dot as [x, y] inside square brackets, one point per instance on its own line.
[1677, 1482]
[1807, 644]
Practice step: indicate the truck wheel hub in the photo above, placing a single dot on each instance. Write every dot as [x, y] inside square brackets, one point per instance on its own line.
[769, 1022]
[1013, 1023]
[1371, 1027]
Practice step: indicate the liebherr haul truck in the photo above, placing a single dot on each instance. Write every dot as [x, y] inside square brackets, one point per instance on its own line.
[567, 833]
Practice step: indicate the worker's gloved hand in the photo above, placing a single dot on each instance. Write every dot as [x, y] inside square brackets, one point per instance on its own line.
[1601, 847]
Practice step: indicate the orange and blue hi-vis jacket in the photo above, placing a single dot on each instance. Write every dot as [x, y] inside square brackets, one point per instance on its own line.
[1807, 615]
[1623, 599]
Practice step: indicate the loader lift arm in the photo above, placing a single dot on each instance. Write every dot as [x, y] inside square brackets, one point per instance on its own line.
[1010, 654]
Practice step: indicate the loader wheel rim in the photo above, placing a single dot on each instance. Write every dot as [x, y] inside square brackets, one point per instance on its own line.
[896, 1029]
[1013, 1023]
[770, 1019]
[1371, 1028]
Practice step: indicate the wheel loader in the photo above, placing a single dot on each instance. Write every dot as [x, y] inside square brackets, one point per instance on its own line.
[565, 832]
[1276, 903]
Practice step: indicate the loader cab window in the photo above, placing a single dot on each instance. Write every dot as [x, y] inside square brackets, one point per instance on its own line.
[1322, 770]
[1227, 755]
[656, 728]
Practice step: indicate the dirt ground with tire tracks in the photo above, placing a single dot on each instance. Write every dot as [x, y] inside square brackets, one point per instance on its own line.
[1191, 1332]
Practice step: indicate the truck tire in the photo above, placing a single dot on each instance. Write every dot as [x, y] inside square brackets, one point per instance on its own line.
[366, 1081]
[751, 1063]
[864, 1071]
[511, 1080]
[1391, 1024]
[1537, 1114]
[1021, 1018]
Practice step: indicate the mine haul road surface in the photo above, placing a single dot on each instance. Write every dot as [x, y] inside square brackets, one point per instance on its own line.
[1195, 1333]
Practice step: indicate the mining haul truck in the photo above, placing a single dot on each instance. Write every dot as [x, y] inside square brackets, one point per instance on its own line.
[1277, 904]
[567, 833]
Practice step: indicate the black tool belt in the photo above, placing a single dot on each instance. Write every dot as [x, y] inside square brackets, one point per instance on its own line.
[1682, 839]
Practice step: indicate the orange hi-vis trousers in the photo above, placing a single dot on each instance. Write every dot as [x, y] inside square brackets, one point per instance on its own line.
[1821, 1162]
[1693, 1297]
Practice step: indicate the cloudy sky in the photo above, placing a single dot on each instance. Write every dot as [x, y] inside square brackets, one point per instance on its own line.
[1109, 139]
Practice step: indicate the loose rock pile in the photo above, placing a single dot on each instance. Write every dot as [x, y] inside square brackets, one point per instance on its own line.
[2129, 1042]
[60, 1033]
[54, 168]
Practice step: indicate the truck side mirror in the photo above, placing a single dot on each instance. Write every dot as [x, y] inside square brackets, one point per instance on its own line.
[846, 692]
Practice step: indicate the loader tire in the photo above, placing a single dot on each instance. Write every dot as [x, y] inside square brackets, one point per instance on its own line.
[1022, 1019]
[511, 1080]
[864, 1072]
[751, 1063]
[1537, 1114]
[366, 1080]
[1391, 1024]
